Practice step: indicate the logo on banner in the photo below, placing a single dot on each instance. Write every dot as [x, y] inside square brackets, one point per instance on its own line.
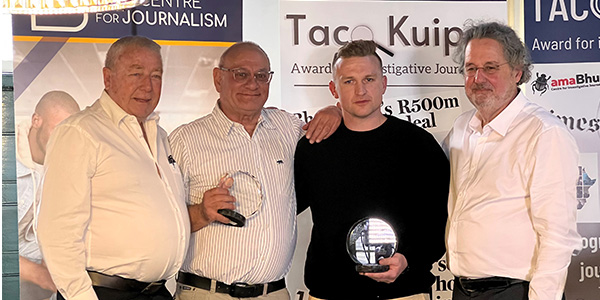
[560, 11]
[540, 84]
[545, 82]
[324, 35]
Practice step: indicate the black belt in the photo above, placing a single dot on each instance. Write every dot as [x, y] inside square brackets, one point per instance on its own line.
[483, 284]
[236, 290]
[124, 284]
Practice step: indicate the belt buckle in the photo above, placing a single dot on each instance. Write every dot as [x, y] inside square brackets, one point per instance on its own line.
[151, 288]
[462, 281]
[244, 290]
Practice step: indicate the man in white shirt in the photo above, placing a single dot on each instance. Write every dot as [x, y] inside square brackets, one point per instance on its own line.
[512, 206]
[226, 262]
[32, 137]
[113, 222]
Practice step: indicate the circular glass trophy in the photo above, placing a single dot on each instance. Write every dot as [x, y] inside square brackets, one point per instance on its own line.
[368, 241]
[248, 194]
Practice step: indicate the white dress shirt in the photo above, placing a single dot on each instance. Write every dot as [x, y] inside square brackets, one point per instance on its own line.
[212, 146]
[512, 204]
[110, 203]
[29, 175]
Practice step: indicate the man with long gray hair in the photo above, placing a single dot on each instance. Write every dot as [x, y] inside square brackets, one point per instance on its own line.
[512, 205]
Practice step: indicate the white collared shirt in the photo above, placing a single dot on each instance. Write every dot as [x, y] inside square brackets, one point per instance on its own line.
[512, 203]
[29, 175]
[212, 146]
[110, 203]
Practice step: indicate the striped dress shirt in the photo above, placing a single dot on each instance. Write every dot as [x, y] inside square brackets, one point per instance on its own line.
[208, 148]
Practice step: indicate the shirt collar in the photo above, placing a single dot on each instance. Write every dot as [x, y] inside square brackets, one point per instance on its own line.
[116, 113]
[226, 126]
[502, 121]
[23, 153]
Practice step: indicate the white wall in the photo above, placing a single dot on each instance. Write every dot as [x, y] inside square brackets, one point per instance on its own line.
[6, 42]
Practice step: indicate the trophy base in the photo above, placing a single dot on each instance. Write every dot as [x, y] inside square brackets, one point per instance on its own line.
[235, 219]
[372, 268]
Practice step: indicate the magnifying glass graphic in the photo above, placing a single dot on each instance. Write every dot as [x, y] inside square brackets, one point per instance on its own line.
[362, 32]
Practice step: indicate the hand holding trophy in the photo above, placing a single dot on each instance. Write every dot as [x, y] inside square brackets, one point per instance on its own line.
[248, 194]
[370, 240]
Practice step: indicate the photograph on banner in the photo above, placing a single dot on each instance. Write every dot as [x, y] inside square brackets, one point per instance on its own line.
[587, 189]
[583, 281]
[59, 59]
[415, 40]
[565, 48]
[61, 53]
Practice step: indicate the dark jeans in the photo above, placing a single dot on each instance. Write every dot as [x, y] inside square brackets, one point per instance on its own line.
[112, 294]
[518, 291]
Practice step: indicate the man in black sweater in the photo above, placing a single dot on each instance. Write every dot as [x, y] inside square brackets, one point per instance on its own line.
[372, 166]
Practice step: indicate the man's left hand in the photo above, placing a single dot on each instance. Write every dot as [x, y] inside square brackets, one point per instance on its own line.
[324, 124]
[397, 265]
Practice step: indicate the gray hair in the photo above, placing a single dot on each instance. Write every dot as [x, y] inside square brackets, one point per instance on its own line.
[515, 52]
[118, 47]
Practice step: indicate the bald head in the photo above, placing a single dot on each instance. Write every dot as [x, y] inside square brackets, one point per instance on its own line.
[53, 108]
[56, 101]
[236, 48]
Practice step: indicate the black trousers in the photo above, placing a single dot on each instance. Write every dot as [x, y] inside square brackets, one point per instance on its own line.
[517, 291]
[112, 294]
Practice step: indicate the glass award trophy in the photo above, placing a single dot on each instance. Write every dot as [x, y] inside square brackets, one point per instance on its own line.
[248, 194]
[368, 241]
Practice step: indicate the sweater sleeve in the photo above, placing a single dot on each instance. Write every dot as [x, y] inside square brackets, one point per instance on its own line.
[300, 175]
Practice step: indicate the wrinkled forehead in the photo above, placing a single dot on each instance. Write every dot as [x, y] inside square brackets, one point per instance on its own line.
[246, 56]
[139, 56]
[486, 50]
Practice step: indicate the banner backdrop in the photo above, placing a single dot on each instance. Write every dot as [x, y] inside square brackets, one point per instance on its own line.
[66, 53]
[416, 40]
[564, 40]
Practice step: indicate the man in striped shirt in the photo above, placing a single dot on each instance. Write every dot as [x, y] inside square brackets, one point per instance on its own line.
[226, 262]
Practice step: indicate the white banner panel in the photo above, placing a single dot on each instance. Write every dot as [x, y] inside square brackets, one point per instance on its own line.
[416, 40]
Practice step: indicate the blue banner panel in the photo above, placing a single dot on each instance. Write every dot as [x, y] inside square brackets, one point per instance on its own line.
[562, 31]
[179, 20]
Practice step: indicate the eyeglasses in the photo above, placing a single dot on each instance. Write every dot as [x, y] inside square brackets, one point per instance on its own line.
[488, 69]
[242, 75]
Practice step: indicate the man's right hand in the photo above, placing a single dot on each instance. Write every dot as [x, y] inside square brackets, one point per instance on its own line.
[214, 199]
